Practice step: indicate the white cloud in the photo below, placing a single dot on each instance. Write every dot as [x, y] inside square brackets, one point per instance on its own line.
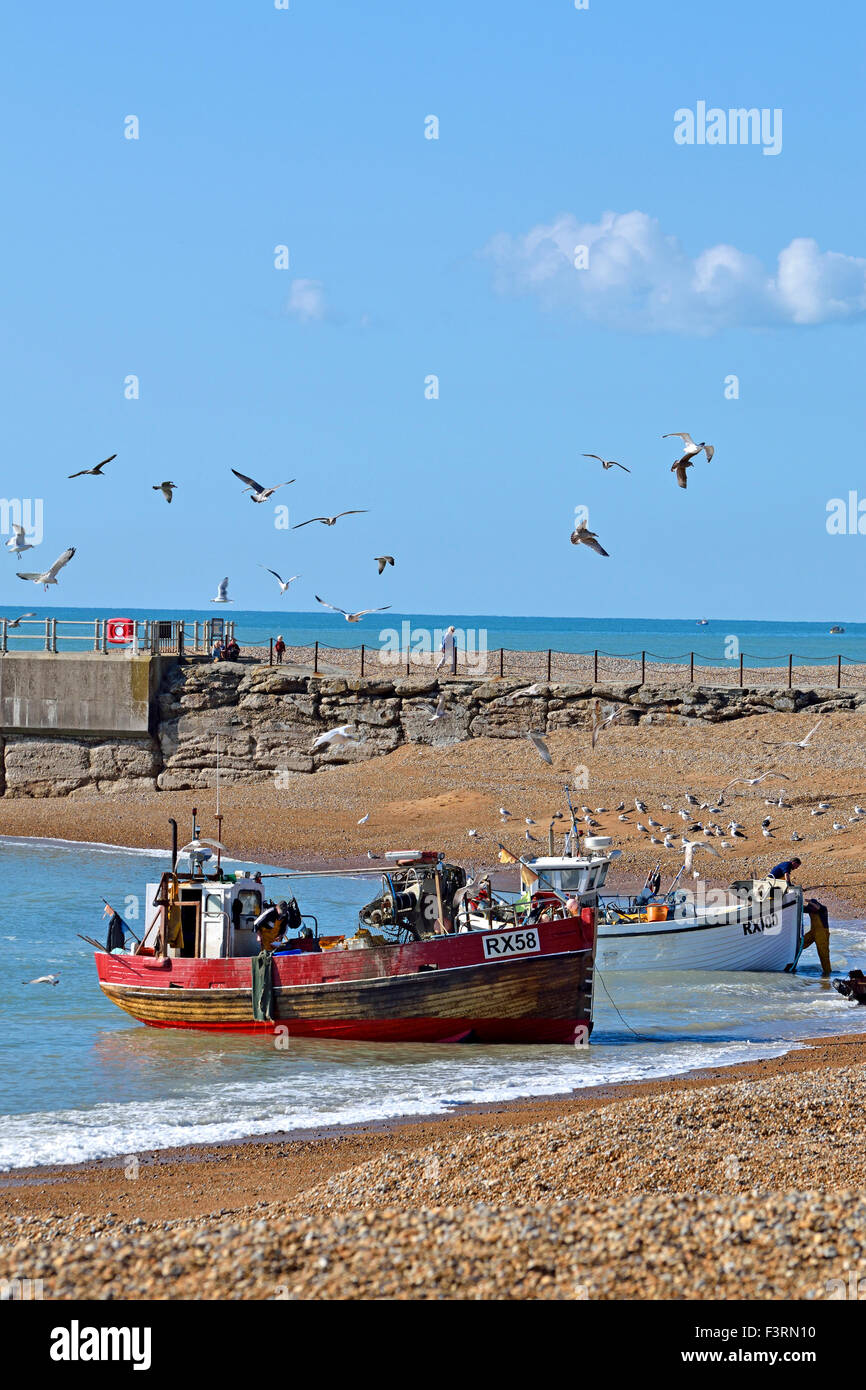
[639, 279]
[306, 301]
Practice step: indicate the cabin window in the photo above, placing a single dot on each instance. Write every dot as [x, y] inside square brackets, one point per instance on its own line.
[571, 880]
[213, 905]
[251, 901]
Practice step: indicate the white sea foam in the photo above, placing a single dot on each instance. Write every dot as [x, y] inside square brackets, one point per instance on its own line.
[236, 1110]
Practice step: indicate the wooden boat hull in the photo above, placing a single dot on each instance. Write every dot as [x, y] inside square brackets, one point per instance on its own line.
[449, 990]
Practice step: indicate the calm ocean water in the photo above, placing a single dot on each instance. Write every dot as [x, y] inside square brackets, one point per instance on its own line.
[662, 639]
[80, 1080]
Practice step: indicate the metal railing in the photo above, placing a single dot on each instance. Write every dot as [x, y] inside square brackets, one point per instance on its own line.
[158, 636]
[597, 666]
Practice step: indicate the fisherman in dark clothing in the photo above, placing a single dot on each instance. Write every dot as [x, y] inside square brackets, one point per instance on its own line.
[785, 869]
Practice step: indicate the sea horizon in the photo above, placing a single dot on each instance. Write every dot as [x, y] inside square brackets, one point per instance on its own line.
[761, 641]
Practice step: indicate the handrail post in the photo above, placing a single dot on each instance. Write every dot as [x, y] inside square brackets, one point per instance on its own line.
[270, 651]
[643, 668]
[362, 660]
[48, 634]
[838, 673]
[502, 661]
[790, 669]
[691, 668]
[4, 639]
[741, 668]
[549, 658]
[316, 659]
[595, 665]
[96, 634]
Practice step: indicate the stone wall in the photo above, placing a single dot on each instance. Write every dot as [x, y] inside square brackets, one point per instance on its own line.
[267, 720]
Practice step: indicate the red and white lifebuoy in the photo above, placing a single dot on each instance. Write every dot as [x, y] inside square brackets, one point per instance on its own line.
[120, 629]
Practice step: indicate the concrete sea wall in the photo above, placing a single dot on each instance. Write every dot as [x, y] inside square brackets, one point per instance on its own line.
[267, 719]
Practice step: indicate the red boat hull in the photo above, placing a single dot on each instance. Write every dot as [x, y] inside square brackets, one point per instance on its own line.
[520, 987]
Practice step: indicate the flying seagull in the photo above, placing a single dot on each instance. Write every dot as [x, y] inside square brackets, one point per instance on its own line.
[258, 492]
[222, 593]
[49, 576]
[690, 448]
[540, 747]
[335, 738]
[608, 463]
[383, 560]
[690, 848]
[438, 712]
[16, 543]
[15, 621]
[804, 742]
[283, 583]
[330, 520]
[753, 781]
[581, 535]
[351, 617]
[599, 725]
[93, 472]
[680, 469]
[166, 489]
[364, 819]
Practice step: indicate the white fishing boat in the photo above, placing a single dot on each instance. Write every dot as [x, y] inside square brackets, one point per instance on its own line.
[755, 924]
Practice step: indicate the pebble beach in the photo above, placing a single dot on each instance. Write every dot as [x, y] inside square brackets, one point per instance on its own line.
[741, 1184]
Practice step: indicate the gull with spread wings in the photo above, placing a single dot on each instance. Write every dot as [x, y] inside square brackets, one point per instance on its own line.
[283, 583]
[690, 453]
[607, 463]
[49, 576]
[330, 520]
[95, 472]
[581, 535]
[258, 492]
[351, 617]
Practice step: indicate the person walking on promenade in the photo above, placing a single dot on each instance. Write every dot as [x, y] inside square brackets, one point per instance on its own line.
[449, 651]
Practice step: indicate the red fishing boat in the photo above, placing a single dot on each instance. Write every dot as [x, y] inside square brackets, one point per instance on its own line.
[412, 972]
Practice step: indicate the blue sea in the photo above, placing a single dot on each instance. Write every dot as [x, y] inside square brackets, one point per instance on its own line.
[81, 1080]
[668, 639]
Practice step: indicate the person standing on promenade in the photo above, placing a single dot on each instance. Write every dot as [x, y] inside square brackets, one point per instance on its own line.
[449, 651]
[279, 649]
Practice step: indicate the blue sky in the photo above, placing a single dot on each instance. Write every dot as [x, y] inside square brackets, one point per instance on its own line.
[305, 127]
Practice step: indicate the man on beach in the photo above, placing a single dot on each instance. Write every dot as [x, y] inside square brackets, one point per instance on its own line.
[279, 649]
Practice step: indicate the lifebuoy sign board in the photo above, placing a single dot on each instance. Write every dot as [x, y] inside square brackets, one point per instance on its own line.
[120, 629]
